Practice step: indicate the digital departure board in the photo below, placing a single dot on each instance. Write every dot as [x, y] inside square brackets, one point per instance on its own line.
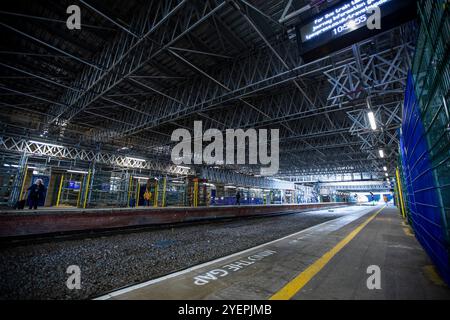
[75, 185]
[346, 23]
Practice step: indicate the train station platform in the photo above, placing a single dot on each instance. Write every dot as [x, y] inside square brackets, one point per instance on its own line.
[327, 261]
[20, 223]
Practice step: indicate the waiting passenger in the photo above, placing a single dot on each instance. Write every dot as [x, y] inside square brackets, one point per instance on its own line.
[36, 193]
[238, 198]
[147, 198]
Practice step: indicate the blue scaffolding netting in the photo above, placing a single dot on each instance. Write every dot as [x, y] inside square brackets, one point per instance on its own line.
[422, 197]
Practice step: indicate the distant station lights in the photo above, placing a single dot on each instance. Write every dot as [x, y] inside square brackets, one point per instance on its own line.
[381, 153]
[385, 168]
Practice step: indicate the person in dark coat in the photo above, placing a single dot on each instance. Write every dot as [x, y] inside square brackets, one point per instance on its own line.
[238, 198]
[35, 193]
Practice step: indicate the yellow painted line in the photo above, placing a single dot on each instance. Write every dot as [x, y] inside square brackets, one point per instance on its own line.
[86, 193]
[295, 285]
[23, 182]
[155, 203]
[433, 276]
[60, 190]
[408, 232]
[138, 194]
[164, 192]
[400, 193]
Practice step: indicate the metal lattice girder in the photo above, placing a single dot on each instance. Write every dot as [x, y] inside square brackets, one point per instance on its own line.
[242, 180]
[315, 126]
[367, 186]
[128, 53]
[388, 121]
[19, 145]
[324, 143]
[342, 166]
[385, 116]
[197, 96]
[227, 63]
[382, 72]
[310, 178]
[292, 106]
[386, 140]
[246, 76]
[203, 93]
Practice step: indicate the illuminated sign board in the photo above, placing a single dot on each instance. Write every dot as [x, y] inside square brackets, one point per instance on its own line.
[75, 185]
[346, 23]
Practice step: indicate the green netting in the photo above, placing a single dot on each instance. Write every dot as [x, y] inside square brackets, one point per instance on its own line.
[431, 72]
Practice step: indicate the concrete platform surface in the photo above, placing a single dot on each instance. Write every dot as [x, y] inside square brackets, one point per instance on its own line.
[326, 261]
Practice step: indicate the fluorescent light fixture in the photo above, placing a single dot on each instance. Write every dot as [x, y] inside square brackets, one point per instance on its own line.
[77, 171]
[209, 184]
[183, 167]
[12, 165]
[230, 187]
[373, 123]
[141, 178]
[47, 144]
[381, 153]
[135, 159]
[385, 168]
[386, 174]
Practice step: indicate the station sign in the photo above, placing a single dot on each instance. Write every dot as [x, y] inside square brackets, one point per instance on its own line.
[75, 185]
[346, 23]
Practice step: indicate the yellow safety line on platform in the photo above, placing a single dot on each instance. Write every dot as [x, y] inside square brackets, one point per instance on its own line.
[295, 285]
[431, 273]
[408, 232]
